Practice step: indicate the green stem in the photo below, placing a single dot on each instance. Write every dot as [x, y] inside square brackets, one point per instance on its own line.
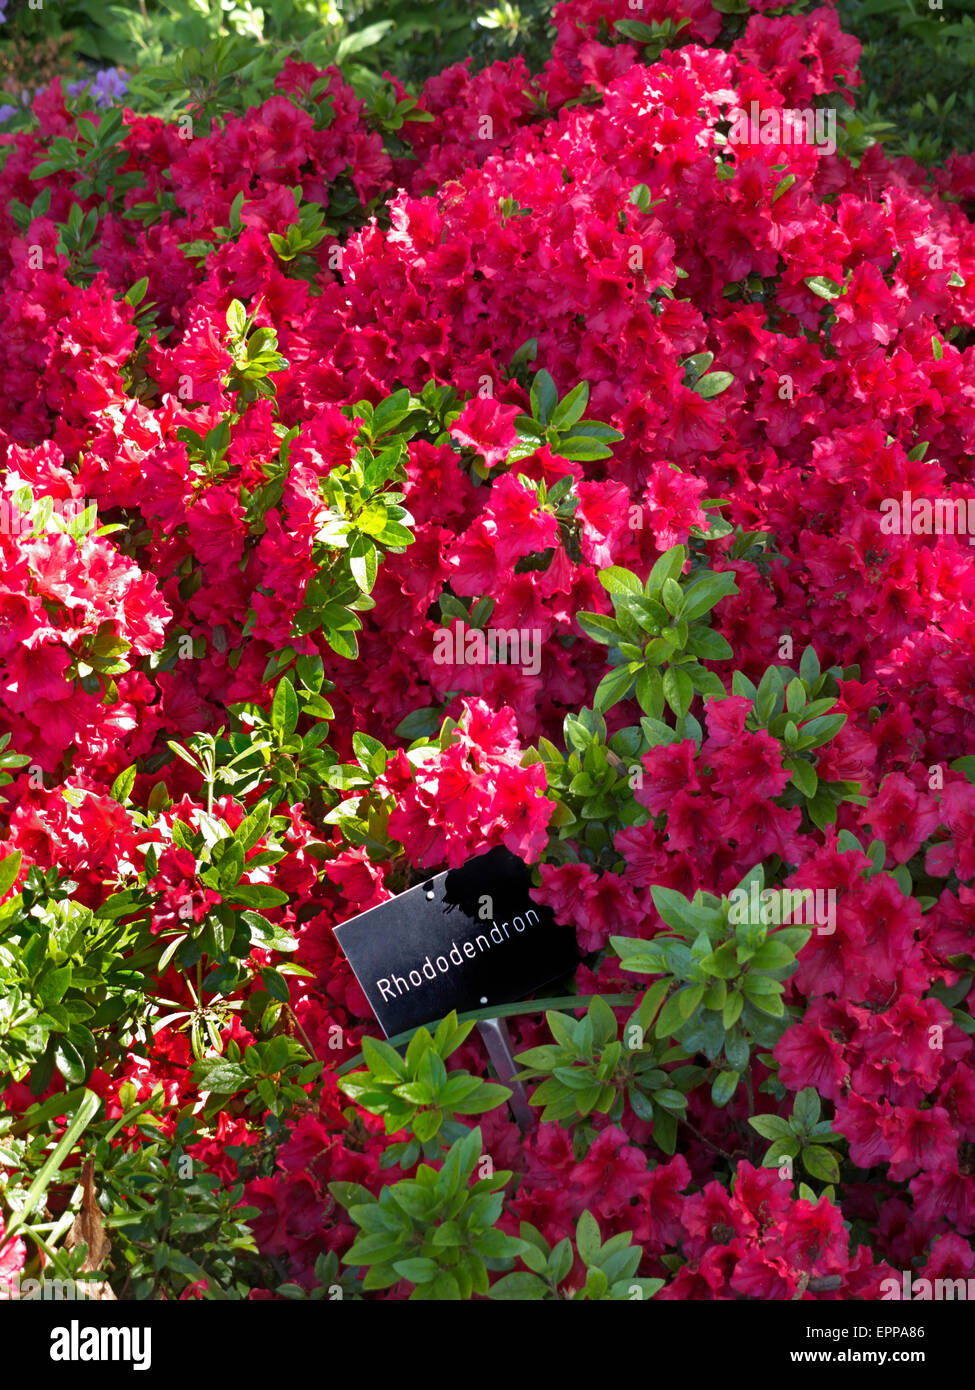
[710, 1143]
[40, 1242]
[130, 1115]
[307, 1040]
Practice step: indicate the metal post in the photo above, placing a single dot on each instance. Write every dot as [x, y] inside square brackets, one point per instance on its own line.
[494, 1031]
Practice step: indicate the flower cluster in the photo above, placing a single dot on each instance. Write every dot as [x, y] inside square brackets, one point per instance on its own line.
[211, 340]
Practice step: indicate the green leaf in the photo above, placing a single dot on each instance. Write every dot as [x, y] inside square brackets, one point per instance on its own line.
[668, 566]
[819, 731]
[616, 580]
[713, 383]
[544, 397]
[672, 597]
[257, 895]
[696, 365]
[689, 999]
[650, 1003]
[771, 1126]
[275, 984]
[359, 39]
[584, 447]
[807, 1107]
[613, 687]
[137, 292]
[723, 962]
[669, 1019]
[822, 286]
[966, 766]
[426, 1124]
[736, 1049]
[821, 1163]
[760, 986]
[521, 1286]
[599, 627]
[804, 776]
[637, 31]
[572, 407]
[418, 1270]
[902, 877]
[781, 1148]
[9, 869]
[678, 690]
[671, 905]
[772, 955]
[765, 994]
[420, 723]
[702, 594]
[53, 983]
[121, 788]
[637, 955]
[284, 708]
[342, 642]
[588, 1238]
[236, 318]
[809, 668]
[795, 696]
[724, 1087]
[708, 645]
[671, 1099]
[69, 1061]
[650, 695]
[481, 612]
[383, 1061]
[364, 563]
[656, 732]
[665, 1131]
[253, 826]
[731, 1012]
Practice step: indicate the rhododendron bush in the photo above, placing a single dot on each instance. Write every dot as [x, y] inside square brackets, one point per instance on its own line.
[303, 407]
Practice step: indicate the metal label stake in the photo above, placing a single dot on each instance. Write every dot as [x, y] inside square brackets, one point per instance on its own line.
[497, 1040]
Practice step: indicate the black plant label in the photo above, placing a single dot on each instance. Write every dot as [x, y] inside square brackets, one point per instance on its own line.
[466, 939]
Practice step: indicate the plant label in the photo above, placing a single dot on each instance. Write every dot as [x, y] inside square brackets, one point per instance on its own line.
[466, 939]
